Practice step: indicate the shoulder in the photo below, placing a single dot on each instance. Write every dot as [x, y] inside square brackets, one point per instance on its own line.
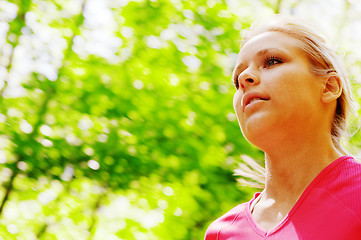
[343, 184]
[352, 173]
[231, 215]
[224, 221]
[344, 175]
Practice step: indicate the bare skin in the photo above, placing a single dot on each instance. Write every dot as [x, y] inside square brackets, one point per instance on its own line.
[284, 186]
[290, 119]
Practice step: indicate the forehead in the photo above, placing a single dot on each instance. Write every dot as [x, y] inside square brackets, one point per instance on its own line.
[263, 42]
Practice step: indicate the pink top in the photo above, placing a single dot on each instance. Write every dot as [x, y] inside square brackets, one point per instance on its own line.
[329, 208]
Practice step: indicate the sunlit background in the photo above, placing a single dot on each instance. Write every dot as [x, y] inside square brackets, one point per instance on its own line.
[116, 116]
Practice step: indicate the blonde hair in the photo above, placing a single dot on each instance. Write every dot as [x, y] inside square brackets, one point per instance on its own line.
[323, 60]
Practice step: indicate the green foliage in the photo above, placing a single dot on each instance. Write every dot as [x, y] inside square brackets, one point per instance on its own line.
[116, 117]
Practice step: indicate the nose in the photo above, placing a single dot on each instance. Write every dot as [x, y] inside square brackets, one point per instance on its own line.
[248, 78]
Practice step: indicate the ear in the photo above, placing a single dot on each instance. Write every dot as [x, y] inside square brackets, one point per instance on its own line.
[332, 88]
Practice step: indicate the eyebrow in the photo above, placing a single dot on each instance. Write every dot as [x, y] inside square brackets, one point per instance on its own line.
[259, 53]
[264, 51]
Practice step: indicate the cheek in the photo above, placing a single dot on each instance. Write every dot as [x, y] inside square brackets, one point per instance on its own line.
[237, 101]
[237, 105]
[296, 95]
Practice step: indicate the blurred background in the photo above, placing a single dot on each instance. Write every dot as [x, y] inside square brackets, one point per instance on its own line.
[116, 117]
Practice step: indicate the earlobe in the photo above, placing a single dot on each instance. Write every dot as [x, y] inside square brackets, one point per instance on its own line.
[332, 88]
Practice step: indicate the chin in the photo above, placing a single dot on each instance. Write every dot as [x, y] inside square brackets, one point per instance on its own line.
[258, 135]
[252, 136]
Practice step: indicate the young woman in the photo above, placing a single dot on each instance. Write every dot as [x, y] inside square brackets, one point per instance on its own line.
[292, 101]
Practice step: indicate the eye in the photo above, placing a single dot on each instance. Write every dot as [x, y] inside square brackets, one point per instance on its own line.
[270, 61]
[235, 81]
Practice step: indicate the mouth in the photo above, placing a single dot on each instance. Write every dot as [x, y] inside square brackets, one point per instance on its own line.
[253, 97]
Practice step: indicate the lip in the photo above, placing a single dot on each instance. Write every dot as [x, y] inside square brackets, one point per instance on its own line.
[247, 97]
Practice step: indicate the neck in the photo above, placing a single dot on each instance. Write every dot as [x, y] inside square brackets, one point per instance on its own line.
[292, 167]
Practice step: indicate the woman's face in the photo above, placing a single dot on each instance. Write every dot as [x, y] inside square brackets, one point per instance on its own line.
[277, 96]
